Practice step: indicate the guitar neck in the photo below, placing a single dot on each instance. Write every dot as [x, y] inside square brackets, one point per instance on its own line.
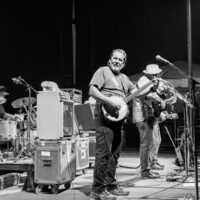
[131, 96]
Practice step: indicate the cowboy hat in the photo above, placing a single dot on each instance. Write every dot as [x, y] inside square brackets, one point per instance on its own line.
[152, 69]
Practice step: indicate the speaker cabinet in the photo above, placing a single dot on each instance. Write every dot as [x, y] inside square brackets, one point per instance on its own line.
[55, 118]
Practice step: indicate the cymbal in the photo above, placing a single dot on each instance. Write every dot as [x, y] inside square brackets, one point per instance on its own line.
[2, 100]
[19, 103]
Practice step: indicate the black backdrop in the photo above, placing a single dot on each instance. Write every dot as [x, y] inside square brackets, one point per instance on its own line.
[36, 39]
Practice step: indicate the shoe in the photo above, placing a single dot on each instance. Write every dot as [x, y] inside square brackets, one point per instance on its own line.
[149, 174]
[119, 192]
[157, 163]
[155, 173]
[101, 196]
[156, 167]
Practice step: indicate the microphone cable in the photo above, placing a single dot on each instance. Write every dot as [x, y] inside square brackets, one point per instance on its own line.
[129, 167]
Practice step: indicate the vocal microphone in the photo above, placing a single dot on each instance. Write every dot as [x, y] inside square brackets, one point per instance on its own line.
[20, 78]
[159, 58]
[16, 80]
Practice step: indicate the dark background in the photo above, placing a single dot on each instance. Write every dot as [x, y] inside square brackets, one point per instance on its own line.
[36, 39]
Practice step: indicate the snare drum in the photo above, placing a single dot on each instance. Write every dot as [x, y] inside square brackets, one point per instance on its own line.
[8, 129]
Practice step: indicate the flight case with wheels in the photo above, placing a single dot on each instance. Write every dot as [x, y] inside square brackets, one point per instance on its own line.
[55, 164]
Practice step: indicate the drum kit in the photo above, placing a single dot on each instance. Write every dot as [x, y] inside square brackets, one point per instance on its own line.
[21, 131]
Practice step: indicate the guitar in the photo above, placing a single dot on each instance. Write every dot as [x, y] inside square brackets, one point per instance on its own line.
[115, 114]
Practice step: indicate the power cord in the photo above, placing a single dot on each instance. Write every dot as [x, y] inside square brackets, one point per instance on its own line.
[130, 183]
[129, 167]
[172, 177]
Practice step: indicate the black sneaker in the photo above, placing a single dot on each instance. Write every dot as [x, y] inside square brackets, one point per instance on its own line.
[118, 192]
[149, 174]
[101, 196]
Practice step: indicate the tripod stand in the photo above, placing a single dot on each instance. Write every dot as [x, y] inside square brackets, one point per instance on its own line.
[190, 117]
[186, 145]
[25, 137]
[27, 102]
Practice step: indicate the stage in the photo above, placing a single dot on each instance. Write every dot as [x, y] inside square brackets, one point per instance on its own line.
[16, 165]
[129, 179]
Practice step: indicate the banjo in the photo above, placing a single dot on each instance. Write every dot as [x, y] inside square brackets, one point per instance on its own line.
[116, 114]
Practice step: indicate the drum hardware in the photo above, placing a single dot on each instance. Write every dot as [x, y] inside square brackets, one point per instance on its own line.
[8, 129]
[9, 134]
[21, 140]
[25, 102]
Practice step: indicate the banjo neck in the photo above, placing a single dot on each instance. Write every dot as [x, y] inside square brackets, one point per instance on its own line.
[131, 96]
[117, 114]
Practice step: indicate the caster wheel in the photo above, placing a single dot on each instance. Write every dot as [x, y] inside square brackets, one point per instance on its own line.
[38, 189]
[67, 185]
[45, 188]
[54, 189]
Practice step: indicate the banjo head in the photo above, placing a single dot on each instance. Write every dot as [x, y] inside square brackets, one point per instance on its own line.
[115, 114]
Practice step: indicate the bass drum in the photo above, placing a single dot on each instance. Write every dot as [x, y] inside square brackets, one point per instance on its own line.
[8, 129]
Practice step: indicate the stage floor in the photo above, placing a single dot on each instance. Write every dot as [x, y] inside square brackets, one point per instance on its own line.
[129, 179]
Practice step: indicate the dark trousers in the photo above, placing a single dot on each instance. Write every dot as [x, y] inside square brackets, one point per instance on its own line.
[108, 148]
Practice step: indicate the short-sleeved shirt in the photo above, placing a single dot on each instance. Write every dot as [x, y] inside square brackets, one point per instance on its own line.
[110, 84]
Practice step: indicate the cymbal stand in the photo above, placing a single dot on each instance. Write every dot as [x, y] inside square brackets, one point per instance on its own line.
[29, 88]
[186, 139]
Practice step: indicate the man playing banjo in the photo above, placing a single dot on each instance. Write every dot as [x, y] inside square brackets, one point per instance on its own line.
[107, 82]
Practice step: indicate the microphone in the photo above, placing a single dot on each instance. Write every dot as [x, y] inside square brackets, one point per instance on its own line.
[159, 58]
[20, 78]
[16, 80]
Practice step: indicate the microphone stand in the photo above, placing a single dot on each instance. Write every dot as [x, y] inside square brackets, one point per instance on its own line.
[191, 113]
[29, 88]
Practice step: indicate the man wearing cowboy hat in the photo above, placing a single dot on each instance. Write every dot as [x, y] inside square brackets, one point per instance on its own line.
[144, 122]
[4, 115]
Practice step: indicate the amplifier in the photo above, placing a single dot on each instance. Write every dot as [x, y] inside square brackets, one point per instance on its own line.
[55, 118]
[75, 94]
[85, 117]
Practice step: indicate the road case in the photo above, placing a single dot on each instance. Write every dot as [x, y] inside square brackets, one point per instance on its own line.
[55, 164]
[82, 153]
[92, 150]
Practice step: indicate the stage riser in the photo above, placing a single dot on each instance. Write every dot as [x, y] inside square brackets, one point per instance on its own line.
[9, 180]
